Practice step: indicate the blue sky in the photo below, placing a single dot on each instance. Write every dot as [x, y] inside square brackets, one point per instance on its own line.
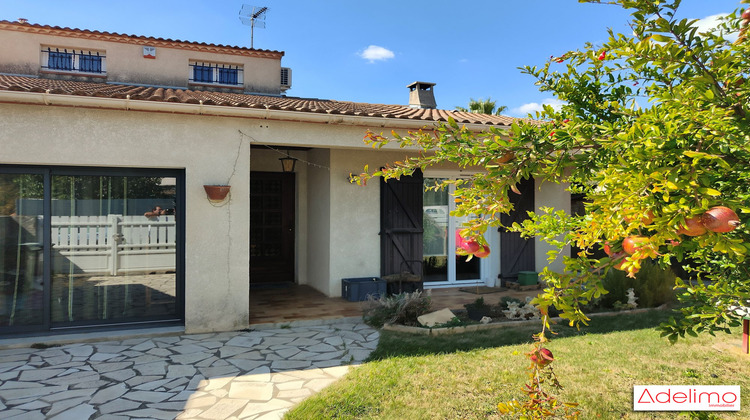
[368, 51]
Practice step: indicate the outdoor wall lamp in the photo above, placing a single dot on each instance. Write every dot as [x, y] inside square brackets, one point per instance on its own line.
[287, 163]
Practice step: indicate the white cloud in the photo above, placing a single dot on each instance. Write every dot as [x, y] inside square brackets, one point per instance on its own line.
[709, 24]
[375, 53]
[533, 107]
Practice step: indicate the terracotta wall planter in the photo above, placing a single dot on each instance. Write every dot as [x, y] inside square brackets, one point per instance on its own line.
[216, 193]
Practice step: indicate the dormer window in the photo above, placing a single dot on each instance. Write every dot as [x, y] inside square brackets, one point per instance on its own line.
[73, 61]
[215, 74]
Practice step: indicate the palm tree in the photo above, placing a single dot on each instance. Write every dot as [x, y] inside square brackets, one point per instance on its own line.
[483, 106]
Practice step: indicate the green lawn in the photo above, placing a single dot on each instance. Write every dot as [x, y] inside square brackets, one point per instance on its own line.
[464, 376]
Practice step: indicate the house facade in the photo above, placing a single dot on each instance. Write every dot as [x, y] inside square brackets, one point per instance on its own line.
[108, 141]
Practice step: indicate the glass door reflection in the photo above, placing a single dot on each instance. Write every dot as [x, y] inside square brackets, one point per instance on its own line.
[113, 249]
[440, 264]
[21, 245]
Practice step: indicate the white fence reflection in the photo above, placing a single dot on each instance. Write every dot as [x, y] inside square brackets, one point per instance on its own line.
[113, 244]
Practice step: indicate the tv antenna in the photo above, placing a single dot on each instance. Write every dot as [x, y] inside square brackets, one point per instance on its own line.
[253, 17]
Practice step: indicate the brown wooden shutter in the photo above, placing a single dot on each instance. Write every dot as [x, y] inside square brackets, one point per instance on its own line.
[516, 253]
[401, 225]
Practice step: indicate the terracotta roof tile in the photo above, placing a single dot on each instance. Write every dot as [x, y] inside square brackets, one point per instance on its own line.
[292, 104]
[136, 39]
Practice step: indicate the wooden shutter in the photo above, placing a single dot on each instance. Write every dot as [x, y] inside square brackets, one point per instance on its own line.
[401, 225]
[516, 253]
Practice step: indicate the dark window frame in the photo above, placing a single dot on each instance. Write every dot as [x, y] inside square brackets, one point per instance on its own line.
[48, 172]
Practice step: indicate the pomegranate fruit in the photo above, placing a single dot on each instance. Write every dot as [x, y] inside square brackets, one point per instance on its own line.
[459, 239]
[746, 14]
[631, 244]
[542, 357]
[720, 219]
[618, 256]
[483, 252]
[506, 158]
[693, 227]
[645, 220]
[470, 245]
[648, 219]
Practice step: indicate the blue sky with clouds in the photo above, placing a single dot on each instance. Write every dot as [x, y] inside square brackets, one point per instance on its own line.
[368, 51]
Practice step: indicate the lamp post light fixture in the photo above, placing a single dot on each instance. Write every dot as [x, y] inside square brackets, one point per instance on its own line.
[287, 163]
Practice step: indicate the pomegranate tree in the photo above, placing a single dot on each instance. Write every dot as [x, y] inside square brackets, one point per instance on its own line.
[685, 157]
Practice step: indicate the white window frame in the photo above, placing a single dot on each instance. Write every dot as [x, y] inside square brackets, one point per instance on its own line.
[489, 268]
[76, 63]
[215, 66]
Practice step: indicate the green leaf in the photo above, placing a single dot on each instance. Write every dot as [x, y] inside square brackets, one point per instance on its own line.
[709, 191]
[660, 38]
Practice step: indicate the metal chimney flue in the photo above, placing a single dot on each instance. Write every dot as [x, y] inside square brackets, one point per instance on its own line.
[421, 95]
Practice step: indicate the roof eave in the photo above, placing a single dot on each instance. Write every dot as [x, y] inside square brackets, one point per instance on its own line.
[126, 104]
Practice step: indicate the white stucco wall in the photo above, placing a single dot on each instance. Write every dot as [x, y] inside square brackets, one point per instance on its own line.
[355, 212]
[319, 222]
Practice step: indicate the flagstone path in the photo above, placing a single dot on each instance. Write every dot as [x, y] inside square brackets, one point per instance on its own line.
[255, 375]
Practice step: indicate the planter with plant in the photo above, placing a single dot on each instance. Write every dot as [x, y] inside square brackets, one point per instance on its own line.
[478, 309]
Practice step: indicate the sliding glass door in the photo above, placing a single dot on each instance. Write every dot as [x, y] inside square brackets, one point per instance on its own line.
[22, 301]
[84, 248]
[440, 264]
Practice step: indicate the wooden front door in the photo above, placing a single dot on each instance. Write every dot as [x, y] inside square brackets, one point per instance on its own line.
[517, 253]
[271, 227]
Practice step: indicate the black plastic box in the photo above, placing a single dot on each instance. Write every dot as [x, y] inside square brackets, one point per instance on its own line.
[358, 288]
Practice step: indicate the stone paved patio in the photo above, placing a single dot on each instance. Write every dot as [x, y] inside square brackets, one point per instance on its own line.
[256, 375]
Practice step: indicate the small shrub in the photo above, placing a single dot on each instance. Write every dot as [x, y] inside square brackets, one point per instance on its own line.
[653, 286]
[403, 308]
[477, 304]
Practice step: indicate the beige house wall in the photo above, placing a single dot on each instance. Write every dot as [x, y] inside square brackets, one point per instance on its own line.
[355, 216]
[319, 220]
[21, 52]
[209, 149]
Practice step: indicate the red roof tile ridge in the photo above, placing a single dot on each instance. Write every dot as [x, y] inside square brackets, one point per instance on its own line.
[233, 99]
[138, 39]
